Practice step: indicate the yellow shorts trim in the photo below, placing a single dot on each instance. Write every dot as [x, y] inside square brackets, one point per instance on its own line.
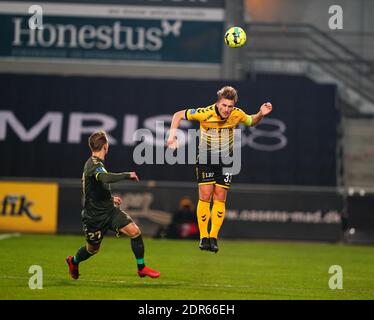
[211, 182]
[222, 186]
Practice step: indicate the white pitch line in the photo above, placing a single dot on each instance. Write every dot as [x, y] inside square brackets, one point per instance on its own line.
[9, 235]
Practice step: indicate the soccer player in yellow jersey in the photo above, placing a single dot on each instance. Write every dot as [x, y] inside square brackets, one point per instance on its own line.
[217, 124]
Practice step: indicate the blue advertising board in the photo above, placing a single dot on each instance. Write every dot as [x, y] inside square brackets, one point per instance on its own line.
[161, 32]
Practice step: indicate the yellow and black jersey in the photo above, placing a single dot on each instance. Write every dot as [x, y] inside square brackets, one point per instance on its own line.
[216, 133]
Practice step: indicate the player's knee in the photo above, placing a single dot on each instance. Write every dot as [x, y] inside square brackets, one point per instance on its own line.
[205, 196]
[205, 192]
[93, 248]
[131, 230]
[219, 197]
[134, 232]
[220, 194]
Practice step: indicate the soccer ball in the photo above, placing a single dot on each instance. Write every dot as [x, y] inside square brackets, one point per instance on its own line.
[235, 37]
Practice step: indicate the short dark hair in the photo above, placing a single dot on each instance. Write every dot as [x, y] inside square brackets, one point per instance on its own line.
[97, 140]
[227, 92]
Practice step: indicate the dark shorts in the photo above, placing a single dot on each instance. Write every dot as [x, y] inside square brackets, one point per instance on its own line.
[95, 231]
[213, 174]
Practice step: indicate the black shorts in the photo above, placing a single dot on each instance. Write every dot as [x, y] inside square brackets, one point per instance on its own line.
[95, 231]
[213, 174]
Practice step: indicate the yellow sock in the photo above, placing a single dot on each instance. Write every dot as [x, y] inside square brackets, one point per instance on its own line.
[218, 214]
[203, 216]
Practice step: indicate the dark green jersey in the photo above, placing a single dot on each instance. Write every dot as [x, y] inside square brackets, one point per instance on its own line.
[97, 195]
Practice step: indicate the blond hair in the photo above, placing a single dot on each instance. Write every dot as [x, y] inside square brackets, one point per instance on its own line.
[227, 92]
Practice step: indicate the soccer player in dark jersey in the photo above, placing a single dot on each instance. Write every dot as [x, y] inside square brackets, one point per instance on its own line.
[217, 124]
[101, 212]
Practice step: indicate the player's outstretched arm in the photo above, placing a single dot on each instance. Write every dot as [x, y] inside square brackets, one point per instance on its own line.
[177, 117]
[265, 109]
[109, 177]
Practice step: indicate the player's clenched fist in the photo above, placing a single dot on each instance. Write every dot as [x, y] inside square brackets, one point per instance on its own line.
[133, 176]
[172, 143]
[266, 108]
[117, 201]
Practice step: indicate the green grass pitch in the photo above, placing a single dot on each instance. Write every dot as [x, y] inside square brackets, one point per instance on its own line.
[240, 270]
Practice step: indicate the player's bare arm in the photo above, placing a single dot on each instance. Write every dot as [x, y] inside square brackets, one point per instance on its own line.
[177, 118]
[265, 109]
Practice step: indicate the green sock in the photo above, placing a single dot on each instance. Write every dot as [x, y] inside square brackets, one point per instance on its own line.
[140, 263]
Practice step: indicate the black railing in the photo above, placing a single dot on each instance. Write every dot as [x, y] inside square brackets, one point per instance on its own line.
[306, 43]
